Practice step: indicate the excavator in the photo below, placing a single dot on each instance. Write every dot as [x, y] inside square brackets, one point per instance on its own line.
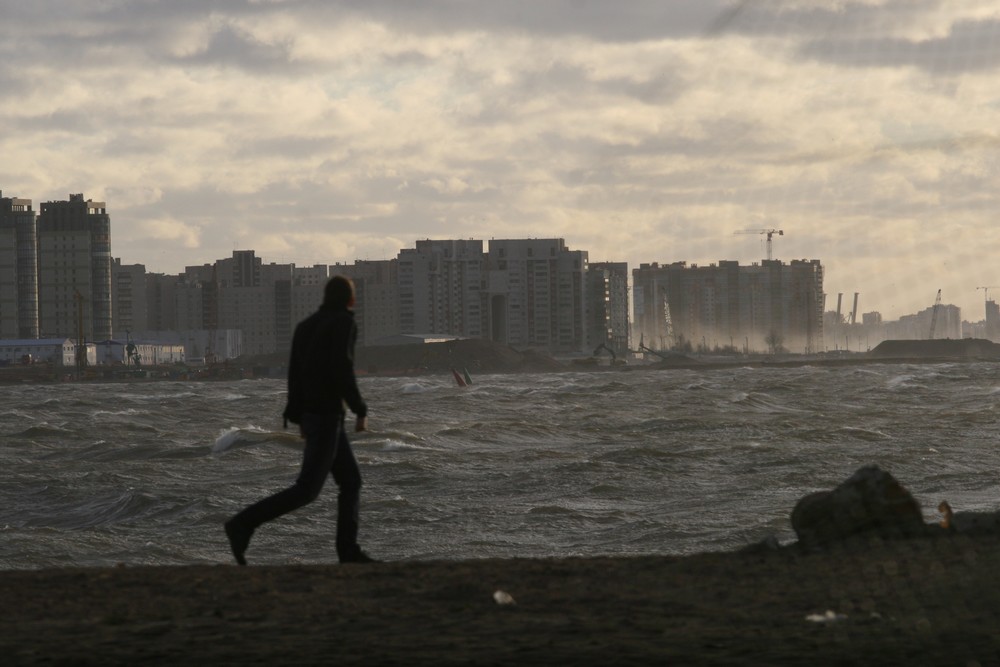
[615, 361]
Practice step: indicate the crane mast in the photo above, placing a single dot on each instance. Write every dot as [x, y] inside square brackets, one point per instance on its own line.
[934, 314]
[986, 291]
[769, 232]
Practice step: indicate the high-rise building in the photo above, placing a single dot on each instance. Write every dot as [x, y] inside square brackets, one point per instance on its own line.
[376, 283]
[992, 320]
[128, 296]
[537, 294]
[74, 269]
[256, 299]
[441, 288]
[308, 283]
[608, 306]
[939, 321]
[768, 306]
[18, 269]
[161, 305]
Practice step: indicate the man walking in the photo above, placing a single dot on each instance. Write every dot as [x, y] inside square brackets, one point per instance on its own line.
[320, 381]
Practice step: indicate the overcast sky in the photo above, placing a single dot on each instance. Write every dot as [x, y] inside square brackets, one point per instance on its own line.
[318, 131]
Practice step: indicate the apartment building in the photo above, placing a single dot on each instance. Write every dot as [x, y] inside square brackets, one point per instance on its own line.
[307, 290]
[161, 302]
[762, 307]
[536, 294]
[940, 321]
[608, 305]
[18, 269]
[256, 299]
[74, 269]
[441, 288]
[376, 283]
[129, 310]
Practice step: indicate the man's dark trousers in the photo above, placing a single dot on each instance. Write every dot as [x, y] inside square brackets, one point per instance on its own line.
[327, 451]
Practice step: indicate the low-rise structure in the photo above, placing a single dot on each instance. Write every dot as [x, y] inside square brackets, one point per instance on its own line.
[57, 351]
[110, 352]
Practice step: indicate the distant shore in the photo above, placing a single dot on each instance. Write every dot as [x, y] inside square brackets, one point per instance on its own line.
[484, 357]
[928, 601]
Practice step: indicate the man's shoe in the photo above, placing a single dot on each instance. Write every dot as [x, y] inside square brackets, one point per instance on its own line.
[239, 540]
[357, 556]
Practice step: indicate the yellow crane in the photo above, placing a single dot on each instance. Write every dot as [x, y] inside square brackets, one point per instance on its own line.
[770, 233]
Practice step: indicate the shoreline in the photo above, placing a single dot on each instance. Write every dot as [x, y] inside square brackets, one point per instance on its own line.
[928, 601]
[234, 372]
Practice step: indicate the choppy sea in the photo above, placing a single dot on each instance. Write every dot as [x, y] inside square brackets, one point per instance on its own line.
[569, 464]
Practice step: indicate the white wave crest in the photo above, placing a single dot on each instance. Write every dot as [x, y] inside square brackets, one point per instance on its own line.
[234, 438]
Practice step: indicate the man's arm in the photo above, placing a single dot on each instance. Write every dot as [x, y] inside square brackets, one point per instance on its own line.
[346, 332]
[293, 406]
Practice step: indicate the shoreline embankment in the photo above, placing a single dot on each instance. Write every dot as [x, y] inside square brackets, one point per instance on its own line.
[485, 357]
[926, 601]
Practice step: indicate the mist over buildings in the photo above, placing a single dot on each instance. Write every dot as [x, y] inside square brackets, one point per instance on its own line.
[61, 283]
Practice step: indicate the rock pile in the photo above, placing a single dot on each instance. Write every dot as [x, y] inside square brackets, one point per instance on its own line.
[872, 502]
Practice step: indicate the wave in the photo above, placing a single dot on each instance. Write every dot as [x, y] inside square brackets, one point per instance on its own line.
[762, 402]
[42, 431]
[236, 438]
[905, 381]
[553, 510]
[864, 433]
[392, 445]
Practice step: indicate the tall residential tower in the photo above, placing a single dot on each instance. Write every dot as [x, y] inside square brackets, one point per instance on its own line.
[74, 269]
[18, 269]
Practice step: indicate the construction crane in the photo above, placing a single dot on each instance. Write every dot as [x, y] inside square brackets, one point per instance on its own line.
[986, 291]
[81, 345]
[934, 314]
[769, 232]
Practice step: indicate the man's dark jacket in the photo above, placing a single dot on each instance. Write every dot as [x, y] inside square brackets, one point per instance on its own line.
[321, 369]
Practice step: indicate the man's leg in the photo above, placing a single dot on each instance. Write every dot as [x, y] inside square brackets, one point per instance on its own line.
[348, 477]
[322, 437]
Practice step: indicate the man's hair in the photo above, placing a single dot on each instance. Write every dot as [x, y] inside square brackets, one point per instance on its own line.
[338, 292]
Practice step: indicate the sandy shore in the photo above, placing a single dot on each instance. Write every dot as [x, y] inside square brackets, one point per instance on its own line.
[933, 601]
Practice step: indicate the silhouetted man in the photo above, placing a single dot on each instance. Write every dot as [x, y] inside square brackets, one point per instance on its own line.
[320, 381]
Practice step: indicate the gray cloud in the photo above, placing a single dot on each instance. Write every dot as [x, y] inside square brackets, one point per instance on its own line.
[229, 47]
[970, 46]
[679, 121]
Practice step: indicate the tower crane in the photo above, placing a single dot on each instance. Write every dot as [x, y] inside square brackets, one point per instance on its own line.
[934, 314]
[986, 291]
[769, 232]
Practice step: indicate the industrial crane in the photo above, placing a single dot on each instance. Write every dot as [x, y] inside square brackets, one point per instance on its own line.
[986, 291]
[934, 314]
[769, 232]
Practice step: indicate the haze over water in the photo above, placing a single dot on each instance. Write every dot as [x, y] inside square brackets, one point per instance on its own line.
[547, 465]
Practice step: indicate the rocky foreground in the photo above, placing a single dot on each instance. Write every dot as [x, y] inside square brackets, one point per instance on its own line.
[919, 601]
[867, 583]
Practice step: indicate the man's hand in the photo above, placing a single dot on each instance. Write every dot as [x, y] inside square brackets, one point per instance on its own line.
[361, 424]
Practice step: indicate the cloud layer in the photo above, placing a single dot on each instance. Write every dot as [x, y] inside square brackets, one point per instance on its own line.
[316, 131]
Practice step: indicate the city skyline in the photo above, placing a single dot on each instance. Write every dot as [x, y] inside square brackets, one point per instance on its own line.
[324, 132]
[829, 303]
[530, 292]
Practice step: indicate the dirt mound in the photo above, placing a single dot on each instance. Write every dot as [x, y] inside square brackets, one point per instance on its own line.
[943, 348]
